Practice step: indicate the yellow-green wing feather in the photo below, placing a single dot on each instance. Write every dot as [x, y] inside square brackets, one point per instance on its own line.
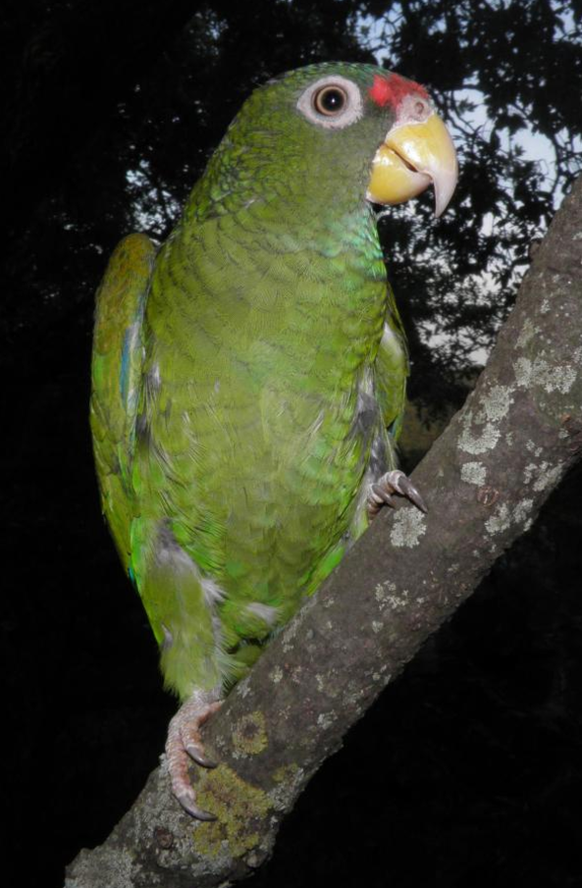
[116, 374]
[392, 370]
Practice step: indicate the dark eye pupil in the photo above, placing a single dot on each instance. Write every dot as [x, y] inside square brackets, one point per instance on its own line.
[330, 100]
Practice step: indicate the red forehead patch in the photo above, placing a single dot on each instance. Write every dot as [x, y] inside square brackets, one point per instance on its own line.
[391, 90]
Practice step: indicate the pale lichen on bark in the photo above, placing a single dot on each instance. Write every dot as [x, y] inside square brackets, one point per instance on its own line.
[490, 471]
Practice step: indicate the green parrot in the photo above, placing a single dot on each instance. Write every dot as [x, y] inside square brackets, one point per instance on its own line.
[248, 377]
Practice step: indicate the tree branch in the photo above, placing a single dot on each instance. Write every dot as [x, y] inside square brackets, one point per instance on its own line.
[485, 479]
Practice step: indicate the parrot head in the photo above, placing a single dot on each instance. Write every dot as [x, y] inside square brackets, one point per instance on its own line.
[339, 133]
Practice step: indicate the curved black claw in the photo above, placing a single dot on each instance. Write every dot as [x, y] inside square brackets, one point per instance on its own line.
[187, 801]
[196, 753]
[404, 486]
[384, 489]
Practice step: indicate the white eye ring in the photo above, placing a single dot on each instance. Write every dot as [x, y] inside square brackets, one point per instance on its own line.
[351, 110]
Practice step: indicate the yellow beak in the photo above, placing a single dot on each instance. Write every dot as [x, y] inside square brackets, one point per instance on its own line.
[414, 155]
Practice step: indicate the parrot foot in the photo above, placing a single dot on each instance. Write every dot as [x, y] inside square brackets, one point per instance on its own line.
[382, 492]
[183, 744]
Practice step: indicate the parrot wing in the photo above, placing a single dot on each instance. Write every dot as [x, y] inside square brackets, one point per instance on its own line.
[116, 370]
[392, 369]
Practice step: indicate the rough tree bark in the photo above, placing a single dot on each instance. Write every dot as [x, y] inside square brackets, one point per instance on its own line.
[486, 479]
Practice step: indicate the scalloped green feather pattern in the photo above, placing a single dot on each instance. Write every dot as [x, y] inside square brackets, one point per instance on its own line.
[229, 378]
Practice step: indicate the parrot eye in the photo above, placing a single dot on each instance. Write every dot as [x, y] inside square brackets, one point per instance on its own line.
[331, 102]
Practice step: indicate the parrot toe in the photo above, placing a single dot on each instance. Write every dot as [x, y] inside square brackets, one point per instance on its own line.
[195, 751]
[382, 492]
[184, 744]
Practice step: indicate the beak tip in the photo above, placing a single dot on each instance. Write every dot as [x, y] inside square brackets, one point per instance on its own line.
[444, 188]
[439, 208]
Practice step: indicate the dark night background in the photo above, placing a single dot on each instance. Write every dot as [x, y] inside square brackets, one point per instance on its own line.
[468, 771]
